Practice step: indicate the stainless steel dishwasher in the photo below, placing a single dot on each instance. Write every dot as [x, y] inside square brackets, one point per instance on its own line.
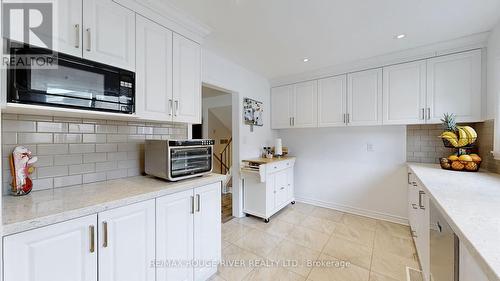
[444, 248]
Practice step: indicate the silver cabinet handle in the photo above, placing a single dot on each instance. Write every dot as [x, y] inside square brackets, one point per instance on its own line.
[420, 193]
[170, 107]
[348, 118]
[176, 107]
[89, 40]
[282, 188]
[414, 234]
[290, 121]
[422, 114]
[77, 34]
[409, 174]
[198, 203]
[414, 206]
[293, 121]
[345, 119]
[428, 113]
[192, 205]
[92, 238]
[105, 234]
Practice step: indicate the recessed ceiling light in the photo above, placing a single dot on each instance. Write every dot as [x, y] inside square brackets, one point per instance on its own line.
[400, 36]
[305, 60]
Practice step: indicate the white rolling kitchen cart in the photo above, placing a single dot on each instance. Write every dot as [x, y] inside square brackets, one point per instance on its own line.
[267, 185]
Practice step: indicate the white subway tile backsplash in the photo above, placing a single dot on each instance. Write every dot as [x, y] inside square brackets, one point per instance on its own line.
[81, 128]
[34, 138]
[106, 166]
[50, 172]
[52, 149]
[67, 138]
[72, 151]
[81, 148]
[117, 174]
[82, 169]
[117, 138]
[94, 177]
[42, 184]
[106, 129]
[68, 159]
[115, 156]
[9, 138]
[94, 138]
[94, 157]
[106, 147]
[67, 181]
[18, 126]
[51, 127]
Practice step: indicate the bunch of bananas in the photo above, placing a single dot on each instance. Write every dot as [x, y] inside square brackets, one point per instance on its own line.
[466, 136]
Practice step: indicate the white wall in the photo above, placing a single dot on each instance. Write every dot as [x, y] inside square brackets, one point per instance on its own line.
[222, 73]
[493, 80]
[213, 102]
[334, 169]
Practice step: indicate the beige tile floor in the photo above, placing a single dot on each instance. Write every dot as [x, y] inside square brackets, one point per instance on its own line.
[343, 247]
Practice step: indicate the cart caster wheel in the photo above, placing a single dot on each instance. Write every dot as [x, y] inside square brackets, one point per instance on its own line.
[266, 220]
[247, 215]
[293, 202]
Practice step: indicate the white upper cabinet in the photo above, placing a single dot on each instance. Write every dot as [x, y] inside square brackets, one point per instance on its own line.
[364, 98]
[175, 235]
[305, 113]
[154, 71]
[282, 107]
[332, 101]
[404, 93]
[109, 33]
[454, 86]
[127, 243]
[60, 252]
[186, 80]
[207, 224]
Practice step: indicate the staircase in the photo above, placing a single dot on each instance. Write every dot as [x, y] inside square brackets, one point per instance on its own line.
[225, 160]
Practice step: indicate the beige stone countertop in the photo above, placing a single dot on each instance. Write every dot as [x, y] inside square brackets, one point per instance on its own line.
[470, 203]
[41, 208]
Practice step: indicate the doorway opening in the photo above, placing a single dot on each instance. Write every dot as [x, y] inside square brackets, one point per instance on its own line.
[216, 124]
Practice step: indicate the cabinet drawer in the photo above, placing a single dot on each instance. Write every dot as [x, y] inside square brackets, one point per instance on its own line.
[279, 166]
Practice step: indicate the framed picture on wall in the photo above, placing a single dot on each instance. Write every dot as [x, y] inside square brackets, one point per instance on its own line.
[252, 112]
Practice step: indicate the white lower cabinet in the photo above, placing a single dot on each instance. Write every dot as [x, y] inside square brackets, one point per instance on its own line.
[187, 230]
[127, 243]
[59, 252]
[176, 237]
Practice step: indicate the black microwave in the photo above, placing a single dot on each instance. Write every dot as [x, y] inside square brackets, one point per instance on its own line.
[44, 77]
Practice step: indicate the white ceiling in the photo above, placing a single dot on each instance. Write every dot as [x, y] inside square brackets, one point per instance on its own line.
[272, 37]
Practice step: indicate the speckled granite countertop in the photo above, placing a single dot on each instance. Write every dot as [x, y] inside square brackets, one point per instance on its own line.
[470, 203]
[41, 208]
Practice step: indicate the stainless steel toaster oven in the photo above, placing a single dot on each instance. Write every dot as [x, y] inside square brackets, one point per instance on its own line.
[175, 160]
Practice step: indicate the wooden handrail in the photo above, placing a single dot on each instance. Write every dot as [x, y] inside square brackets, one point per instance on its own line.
[220, 161]
[225, 157]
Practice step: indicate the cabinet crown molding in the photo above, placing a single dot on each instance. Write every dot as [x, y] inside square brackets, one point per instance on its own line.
[170, 16]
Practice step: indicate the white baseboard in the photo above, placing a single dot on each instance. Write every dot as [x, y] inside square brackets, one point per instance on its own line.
[353, 210]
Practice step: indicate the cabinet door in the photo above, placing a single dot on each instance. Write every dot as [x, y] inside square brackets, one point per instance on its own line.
[59, 252]
[364, 98]
[332, 103]
[422, 241]
[207, 229]
[154, 71]
[66, 30]
[127, 243]
[281, 107]
[404, 93]
[305, 105]
[174, 236]
[280, 188]
[469, 269]
[290, 184]
[454, 86]
[109, 33]
[186, 80]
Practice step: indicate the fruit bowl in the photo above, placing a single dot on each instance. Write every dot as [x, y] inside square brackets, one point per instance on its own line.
[470, 143]
[459, 164]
